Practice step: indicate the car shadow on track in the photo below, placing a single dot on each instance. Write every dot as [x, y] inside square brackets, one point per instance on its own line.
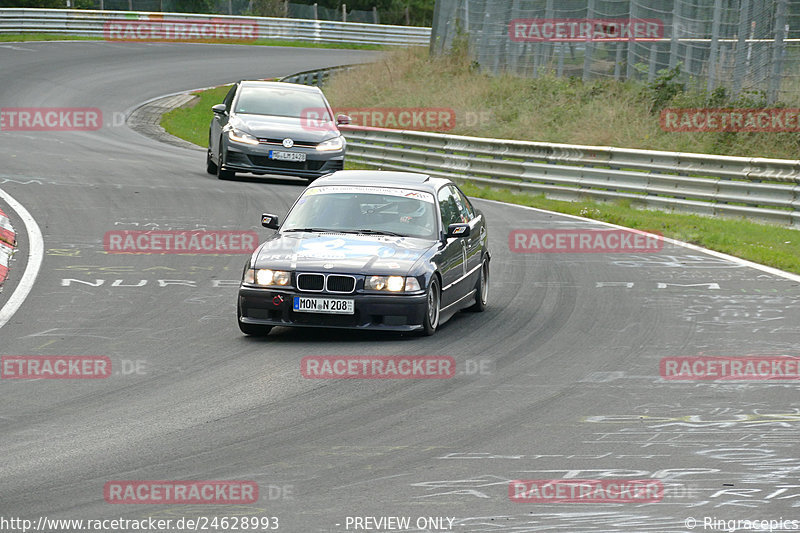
[321, 335]
[272, 179]
[300, 335]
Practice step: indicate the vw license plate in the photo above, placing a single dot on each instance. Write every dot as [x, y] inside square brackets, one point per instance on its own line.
[287, 156]
[324, 305]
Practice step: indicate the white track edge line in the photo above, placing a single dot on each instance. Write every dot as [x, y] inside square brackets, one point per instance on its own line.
[731, 258]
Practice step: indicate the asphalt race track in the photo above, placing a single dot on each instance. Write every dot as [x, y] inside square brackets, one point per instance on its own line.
[559, 378]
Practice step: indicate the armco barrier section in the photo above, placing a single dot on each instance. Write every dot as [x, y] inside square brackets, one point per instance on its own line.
[316, 77]
[756, 188]
[762, 189]
[92, 23]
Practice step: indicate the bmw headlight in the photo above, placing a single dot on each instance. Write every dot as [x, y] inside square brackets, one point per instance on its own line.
[331, 145]
[267, 278]
[391, 283]
[240, 136]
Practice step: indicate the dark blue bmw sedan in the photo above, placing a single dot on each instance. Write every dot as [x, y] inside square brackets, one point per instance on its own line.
[380, 250]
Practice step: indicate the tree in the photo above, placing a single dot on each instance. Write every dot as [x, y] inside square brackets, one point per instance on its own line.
[389, 11]
[50, 4]
[268, 8]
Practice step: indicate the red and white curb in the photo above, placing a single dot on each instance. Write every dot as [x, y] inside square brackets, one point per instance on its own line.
[7, 241]
[33, 263]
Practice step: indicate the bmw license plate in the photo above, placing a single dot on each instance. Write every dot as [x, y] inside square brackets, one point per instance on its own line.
[324, 305]
[287, 156]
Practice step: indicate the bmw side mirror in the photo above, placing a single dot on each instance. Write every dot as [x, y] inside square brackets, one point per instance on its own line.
[269, 221]
[457, 230]
[219, 109]
[342, 120]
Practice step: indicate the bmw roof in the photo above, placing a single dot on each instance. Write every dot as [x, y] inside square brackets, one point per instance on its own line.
[382, 178]
[279, 85]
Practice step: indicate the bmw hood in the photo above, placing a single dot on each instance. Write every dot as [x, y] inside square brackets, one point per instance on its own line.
[297, 129]
[341, 253]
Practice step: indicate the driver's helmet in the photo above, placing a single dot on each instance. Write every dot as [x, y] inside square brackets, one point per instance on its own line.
[411, 211]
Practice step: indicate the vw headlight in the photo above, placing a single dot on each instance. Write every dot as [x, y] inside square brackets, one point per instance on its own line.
[331, 145]
[267, 278]
[240, 136]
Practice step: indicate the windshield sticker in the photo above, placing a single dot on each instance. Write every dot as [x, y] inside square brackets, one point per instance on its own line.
[348, 189]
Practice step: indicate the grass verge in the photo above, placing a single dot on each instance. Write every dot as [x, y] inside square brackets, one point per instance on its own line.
[551, 109]
[190, 122]
[773, 246]
[17, 37]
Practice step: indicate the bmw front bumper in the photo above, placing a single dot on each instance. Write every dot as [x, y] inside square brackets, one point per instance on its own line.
[391, 312]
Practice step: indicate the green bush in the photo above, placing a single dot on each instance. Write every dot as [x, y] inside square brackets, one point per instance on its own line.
[664, 88]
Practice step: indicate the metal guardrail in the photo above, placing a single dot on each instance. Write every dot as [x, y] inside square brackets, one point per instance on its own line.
[762, 189]
[316, 77]
[92, 23]
[755, 188]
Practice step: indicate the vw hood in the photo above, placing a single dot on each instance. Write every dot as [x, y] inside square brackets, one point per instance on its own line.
[297, 129]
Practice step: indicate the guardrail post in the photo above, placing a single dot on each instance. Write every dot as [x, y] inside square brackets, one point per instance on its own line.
[543, 49]
[651, 71]
[712, 53]
[778, 50]
[483, 53]
[740, 67]
[674, 33]
[589, 50]
[344, 12]
[316, 12]
[631, 55]
[436, 31]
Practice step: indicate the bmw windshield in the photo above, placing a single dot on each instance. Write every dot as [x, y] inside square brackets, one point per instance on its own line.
[364, 210]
